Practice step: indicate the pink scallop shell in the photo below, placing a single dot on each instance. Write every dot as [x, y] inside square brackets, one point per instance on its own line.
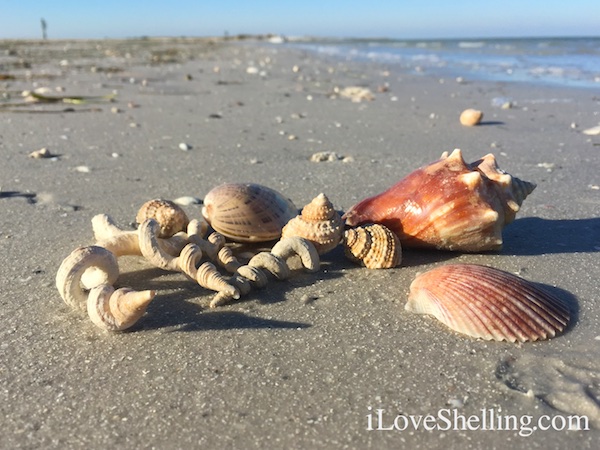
[488, 303]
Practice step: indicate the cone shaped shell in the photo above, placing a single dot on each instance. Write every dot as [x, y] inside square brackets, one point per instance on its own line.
[488, 303]
[447, 205]
[247, 212]
[374, 246]
[169, 215]
[319, 222]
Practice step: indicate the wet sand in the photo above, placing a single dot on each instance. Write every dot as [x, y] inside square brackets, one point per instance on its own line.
[304, 363]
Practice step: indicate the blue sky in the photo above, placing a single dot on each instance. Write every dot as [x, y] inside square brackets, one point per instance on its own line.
[418, 19]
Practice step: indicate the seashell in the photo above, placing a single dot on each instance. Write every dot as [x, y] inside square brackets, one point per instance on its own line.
[247, 212]
[470, 117]
[297, 246]
[488, 303]
[447, 205]
[319, 222]
[169, 215]
[117, 310]
[374, 246]
[84, 269]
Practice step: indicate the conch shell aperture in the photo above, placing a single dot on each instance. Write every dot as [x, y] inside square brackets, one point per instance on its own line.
[448, 205]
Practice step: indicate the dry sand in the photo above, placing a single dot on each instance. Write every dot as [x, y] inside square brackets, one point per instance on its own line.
[303, 363]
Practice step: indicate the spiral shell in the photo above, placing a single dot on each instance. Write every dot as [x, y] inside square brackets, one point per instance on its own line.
[447, 205]
[488, 303]
[171, 218]
[374, 246]
[247, 212]
[319, 222]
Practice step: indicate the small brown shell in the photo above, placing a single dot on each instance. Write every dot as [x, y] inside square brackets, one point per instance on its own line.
[319, 222]
[169, 215]
[487, 303]
[247, 212]
[470, 117]
[375, 246]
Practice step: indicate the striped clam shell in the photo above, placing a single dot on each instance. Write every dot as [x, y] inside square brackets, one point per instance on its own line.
[488, 303]
[247, 212]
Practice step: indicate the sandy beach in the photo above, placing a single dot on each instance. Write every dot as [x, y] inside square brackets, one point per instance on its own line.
[320, 361]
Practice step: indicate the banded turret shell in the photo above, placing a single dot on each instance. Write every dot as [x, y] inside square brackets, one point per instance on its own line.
[247, 212]
[488, 303]
[448, 205]
[374, 246]
[170, 216]
[319, 222]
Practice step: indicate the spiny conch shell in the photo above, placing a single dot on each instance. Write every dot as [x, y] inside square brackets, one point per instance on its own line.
[84, 269]
[448, 205]
[117, 310]
[169, 215]
[247, 212]
[374, 246]
[488, 303]
[319, 222]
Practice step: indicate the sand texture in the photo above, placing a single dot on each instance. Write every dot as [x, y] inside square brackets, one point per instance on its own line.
[302, 363]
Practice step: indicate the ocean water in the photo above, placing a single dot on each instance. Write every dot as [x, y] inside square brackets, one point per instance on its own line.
[559, 61]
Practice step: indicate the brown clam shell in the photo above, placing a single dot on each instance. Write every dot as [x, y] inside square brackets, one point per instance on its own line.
[171, 218]
[374, 246]
[247, 212]
[488, 303]
[319, 222]
[448, 205]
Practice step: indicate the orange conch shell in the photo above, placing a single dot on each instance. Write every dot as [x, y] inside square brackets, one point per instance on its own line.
[448, 205]
[488, 303]
[319, 222]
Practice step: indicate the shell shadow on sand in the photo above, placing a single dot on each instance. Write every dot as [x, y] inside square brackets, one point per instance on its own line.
[180, 308]
[536, 236]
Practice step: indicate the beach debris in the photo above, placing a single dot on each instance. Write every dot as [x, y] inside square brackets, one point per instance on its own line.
[594, 131]
[470, 117]
[325, 157]
[187, 200]
[502, 102]
[488, 303]
[318, 222]
[356, 94]
[185, 147]
[252, 70]
[83, 169]
[39, 96]
[171, 218]
[374, 246]
[42, 153]
[247, 212]
[448, 205]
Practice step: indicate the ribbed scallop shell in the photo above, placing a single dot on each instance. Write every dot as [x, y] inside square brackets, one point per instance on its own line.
[447, 205]
[171, 218]
[488, 303]
[374, 246]
[247, 212]
[319, 222]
